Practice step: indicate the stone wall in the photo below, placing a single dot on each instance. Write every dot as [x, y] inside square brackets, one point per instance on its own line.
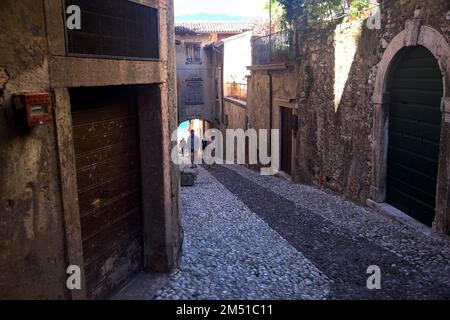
[335, 133]
[333, 83]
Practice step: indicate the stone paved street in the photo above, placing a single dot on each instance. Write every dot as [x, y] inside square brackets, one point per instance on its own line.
[254, 237]
[232, 253]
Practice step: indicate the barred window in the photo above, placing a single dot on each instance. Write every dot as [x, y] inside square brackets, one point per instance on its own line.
[114, 29]
[194, 92]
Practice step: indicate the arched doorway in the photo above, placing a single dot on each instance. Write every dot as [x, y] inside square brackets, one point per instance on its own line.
[414, 98]
[414, 37]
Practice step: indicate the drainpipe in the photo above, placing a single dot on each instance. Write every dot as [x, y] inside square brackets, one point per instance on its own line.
[220, 84]
[269, 73]
[270, 31]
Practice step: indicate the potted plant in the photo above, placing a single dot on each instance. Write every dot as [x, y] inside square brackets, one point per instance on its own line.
[188, 178]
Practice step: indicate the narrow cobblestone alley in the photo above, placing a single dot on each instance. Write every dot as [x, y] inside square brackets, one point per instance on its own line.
[220, 157]
[254, 237]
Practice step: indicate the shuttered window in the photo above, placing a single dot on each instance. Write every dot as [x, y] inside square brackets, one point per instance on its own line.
[194, 92]
[193, 53]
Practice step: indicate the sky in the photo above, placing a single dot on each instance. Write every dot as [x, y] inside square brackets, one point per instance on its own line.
[241, 8]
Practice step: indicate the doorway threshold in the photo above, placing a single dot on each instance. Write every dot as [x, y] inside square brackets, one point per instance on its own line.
[284, 175]
[391, 212]
[143, 286]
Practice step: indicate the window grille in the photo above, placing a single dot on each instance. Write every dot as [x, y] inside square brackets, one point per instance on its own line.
[114, 29]
[194, 92]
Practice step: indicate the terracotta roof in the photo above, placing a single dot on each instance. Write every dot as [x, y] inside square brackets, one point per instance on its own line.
[195, 27]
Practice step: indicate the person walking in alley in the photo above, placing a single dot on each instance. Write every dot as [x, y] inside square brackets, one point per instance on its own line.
[183, 146]
[194, 145]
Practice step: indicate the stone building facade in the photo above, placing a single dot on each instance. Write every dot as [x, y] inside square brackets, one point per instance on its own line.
[58, 183]
[334, 88]
[199, 68]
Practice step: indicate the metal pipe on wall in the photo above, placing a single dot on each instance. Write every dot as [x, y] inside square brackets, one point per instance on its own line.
[269, 73]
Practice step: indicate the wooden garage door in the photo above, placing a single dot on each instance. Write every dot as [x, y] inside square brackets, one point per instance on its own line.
[105, 127]
[414, 135]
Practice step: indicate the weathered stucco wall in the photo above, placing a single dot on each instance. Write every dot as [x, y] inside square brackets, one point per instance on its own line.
[237, 56]
[333, 81]
[236, 113]
[176, 239]
[38, 237]
[258, 100]
[32, 262]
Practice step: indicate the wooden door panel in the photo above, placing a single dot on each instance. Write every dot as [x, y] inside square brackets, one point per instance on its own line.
[106, 141]
[286, 140]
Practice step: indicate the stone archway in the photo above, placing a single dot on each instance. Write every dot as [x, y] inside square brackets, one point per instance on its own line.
[415, 34]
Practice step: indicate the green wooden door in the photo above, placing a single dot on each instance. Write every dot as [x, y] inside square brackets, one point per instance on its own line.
[414, 134]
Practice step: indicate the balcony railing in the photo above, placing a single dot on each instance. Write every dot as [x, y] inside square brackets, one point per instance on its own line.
[275, 48]
[236, 90]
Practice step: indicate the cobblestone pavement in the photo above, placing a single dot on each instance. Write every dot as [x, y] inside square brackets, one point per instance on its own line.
[231, 253]
[254, 237]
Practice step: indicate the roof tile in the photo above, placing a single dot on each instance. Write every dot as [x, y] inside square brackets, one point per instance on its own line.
[195, 27]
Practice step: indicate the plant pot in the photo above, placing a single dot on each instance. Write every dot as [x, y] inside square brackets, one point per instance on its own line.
[187, 180]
